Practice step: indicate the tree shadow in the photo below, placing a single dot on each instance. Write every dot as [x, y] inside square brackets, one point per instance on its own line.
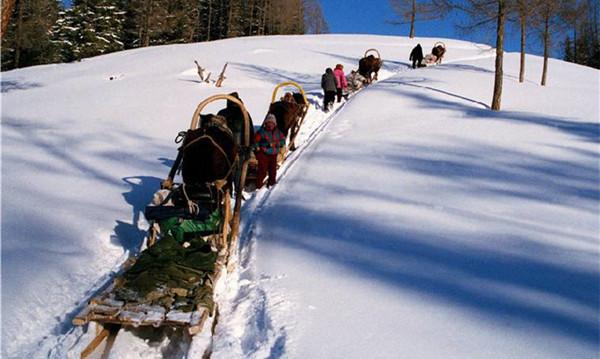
[276, 75]
[505, 272]
[588, 131]
[9, 86]
[447, 270]
[394, 66]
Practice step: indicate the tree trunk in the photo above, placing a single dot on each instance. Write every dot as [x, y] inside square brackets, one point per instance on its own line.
[250, 18]
[264, 18]
[522, 67]
[208, 30]
[7, 10]
[496, 99]
[413, 15]
[546, 46]
[148, 11]
[575, 41]
[19, 40]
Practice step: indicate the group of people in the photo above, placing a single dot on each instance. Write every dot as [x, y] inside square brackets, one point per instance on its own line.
[333, 83]
[269, 141]
[336, 84]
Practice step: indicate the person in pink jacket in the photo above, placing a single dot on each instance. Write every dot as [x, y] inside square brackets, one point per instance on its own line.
[341, 80]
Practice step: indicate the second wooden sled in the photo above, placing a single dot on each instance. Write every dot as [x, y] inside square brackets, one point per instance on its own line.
[290, 112]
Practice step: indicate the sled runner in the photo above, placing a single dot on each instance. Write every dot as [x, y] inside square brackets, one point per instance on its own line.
[192, 239]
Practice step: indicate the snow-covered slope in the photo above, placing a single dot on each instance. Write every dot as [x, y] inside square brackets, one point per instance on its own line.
[412, 222]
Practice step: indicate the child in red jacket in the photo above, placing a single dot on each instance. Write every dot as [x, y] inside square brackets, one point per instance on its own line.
[268, 142]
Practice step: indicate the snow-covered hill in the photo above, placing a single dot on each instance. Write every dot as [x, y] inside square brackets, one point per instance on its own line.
[411, 222]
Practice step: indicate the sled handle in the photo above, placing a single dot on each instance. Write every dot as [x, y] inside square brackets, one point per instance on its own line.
[378, 55]
[195, 119]
[285, 84]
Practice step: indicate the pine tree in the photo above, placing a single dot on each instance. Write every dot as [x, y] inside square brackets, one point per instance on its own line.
[90, 28]
[569, 50]
[146, 22]
[28, 36]
[586, 26]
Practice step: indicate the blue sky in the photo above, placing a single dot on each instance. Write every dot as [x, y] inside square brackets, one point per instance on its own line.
[369, 17]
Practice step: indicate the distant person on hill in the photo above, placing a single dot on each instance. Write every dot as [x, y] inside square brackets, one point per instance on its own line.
[329, 86]
[416, 56]
[268, 142]
[341, 81]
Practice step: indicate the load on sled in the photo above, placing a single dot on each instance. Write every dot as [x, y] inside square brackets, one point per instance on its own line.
[290, 111]
[192, 239]
[437, 54]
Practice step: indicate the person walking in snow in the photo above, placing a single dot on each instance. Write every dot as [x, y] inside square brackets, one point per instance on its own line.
[329, 85]
[416, 56]
[341, 81]
[268, 143]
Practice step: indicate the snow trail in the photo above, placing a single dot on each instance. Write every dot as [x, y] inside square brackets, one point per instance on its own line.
[245, 303]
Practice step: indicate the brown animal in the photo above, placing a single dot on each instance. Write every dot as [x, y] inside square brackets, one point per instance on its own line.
[288, 111]
[209, 153]
[235, 121]
[369, 65]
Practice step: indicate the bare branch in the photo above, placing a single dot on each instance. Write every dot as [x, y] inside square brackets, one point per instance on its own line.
[221, 76]
[200, 70]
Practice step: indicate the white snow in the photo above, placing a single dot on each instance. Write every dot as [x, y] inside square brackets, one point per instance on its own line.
[412, 221]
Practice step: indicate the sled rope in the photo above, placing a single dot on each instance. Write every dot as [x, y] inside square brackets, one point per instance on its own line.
[192, 207]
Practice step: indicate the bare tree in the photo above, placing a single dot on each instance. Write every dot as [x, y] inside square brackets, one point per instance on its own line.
[313, 18]
[486, 13]
[525, 10]
[548, 15]
[411, 11]
[499, 75]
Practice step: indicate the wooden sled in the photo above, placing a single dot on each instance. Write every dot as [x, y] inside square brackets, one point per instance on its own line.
[437, 54]
[374, 50]
[293, 132]
[296, 128]
[110, 313]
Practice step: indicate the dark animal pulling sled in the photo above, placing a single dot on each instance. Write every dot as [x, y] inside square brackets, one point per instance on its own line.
[290, 112]
[191, 242]
[369, 66]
